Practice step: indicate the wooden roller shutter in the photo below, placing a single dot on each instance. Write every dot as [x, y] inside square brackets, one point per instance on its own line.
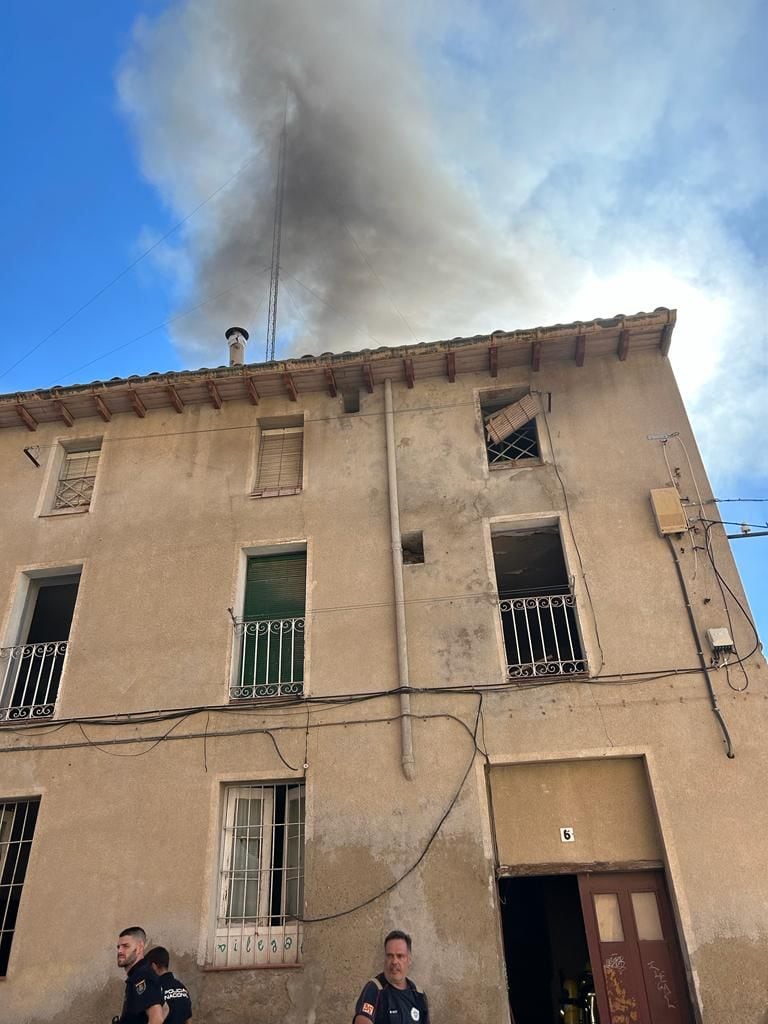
[280, 462]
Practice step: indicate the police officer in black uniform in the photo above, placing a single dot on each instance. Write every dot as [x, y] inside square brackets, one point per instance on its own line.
[391, 997]
[143, 1002]
[175, 993]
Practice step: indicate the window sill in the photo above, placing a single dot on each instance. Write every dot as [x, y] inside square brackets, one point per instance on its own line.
[283, 492]
[65, 512]
[501, 467]
[212, 969]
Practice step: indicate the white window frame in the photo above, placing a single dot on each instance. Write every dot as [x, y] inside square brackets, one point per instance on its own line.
[264, 938]
[57, 464]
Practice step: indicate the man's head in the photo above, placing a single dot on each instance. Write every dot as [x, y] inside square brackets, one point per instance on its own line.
[397, 958]
[130, 946]
[158, 959]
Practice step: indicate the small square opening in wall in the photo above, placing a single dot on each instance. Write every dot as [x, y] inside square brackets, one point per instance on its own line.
[413, 548]
[351, 400]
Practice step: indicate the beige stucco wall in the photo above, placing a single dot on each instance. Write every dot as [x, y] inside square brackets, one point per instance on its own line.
[125, 839]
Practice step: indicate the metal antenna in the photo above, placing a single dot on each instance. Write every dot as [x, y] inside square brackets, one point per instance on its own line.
[277, 230]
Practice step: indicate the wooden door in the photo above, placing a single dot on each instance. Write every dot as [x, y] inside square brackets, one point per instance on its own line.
[637, 966]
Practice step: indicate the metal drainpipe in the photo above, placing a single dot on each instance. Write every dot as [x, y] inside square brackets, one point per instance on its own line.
[407, 759]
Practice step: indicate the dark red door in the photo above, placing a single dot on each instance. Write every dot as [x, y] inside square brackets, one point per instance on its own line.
[633, 946]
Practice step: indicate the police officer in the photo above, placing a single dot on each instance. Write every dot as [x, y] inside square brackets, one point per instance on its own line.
[175, 993]
[391, 997]
[143, 1002]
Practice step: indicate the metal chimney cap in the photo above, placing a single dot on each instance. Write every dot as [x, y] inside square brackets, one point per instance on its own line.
[236, 330]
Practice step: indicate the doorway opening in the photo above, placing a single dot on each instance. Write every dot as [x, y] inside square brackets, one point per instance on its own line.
[545, 948]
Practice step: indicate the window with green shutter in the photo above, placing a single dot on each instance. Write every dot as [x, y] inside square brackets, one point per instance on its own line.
[272, 627]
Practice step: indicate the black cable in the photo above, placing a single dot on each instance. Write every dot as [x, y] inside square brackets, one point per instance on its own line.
[575, 543]
[127, 269]
[695, 632]
[409, 871]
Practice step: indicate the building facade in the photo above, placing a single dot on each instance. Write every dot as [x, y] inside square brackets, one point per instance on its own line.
[444, 638]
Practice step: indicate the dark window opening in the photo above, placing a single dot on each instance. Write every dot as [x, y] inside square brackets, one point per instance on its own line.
[271, 630]
[351, 400]
[538, 609]
[17, 827]
[549, 976]
[509, 424]
[32, 670]
[413, 548]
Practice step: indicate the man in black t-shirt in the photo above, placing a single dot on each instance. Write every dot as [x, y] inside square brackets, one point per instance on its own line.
[174, 992]
[143, 1001]
[391, 997]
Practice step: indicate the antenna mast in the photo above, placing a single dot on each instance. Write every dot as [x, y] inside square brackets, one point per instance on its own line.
[277, 230]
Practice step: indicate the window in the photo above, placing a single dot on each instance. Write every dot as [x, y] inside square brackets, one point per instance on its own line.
[279, 468]
[536, 602]
[261, 876]
[271, 631]
[509, 423]
[30, 672]
[74, 487]
[17, 826]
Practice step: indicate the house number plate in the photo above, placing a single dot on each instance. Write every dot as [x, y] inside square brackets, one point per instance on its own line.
[566, 835]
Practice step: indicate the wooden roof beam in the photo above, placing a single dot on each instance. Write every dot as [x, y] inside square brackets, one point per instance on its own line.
[368, 377]
[623, 348]
[253, 394]
[213, 391]
[290, 385]
[409, 373]
[330, 379]
[26, 416]
[581, 348]
[64, 413]
[176, 400]
[493, 359]
[103, 409]
[138, 406]
[450, 366]
[536, 356]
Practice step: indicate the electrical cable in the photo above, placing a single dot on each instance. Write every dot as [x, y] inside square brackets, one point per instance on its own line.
[425, 850]
[575, 543]
[130, 267]
[165, 323]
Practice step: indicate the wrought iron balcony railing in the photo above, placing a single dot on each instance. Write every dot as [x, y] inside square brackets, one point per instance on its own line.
[271, 658]
[30, 679]
[541, 636]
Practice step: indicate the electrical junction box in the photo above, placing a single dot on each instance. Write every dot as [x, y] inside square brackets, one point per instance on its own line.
[668, 509]
[720, 640]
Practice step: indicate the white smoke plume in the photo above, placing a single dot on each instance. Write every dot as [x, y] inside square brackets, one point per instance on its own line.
[457, 168]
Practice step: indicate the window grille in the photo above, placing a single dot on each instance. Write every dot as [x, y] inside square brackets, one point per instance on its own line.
[261, 876]
[74, 488]
[279, 470]
[510, 426]
[17, 827]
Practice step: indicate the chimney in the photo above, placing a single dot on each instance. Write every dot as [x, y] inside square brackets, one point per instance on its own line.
[237, 337]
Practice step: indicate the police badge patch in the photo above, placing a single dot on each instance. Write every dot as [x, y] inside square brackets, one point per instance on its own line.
[140, 987]
[415, 1014]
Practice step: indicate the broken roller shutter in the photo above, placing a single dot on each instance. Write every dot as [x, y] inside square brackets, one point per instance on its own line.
[280, 461]
[512, 417]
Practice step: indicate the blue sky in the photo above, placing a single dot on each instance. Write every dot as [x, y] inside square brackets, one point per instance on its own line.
[561, 162]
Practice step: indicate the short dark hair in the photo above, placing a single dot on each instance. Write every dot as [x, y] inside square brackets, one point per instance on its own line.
[159, 955]
[397, 934]
[135, 932]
